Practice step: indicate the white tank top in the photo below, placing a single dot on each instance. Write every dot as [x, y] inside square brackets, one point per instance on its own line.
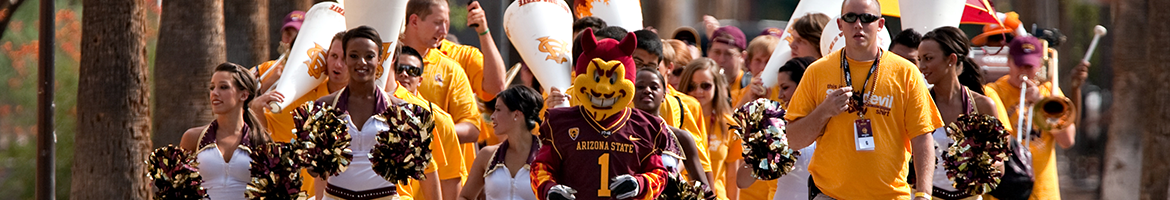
[794, 185]
[941, 142]
[360, 176]
[224, 180]
[500, 184]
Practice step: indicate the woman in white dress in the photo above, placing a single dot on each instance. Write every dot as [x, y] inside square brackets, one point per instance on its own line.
[361, 100]
[957, 90]
[501, 171]
[219, 146]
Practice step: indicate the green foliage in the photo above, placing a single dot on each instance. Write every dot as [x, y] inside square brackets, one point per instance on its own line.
[18, 101]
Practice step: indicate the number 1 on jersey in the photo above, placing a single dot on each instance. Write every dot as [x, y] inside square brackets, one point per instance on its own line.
[604, 162]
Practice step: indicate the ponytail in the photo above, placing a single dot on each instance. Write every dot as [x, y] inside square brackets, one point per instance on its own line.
[245, 82]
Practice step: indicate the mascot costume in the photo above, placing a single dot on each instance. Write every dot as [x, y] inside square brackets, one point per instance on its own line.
[615, 151]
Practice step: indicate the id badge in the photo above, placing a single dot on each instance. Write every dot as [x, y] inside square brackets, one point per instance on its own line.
[863, 135]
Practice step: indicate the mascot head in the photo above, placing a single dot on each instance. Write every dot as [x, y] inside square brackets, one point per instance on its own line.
[604, 82]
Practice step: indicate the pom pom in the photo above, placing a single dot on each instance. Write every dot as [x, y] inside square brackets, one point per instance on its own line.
[765, 147]
[980, 143]
[403, 152]
[275, 173]
[677, 188]
[322, 139]
[174, 174]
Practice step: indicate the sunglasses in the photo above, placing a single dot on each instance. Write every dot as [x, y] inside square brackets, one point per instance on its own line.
[677, 71]
[703, 86]
[414, 71]
[864, 17]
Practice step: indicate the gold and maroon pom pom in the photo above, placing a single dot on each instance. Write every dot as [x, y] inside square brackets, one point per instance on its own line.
[322, 139]
[677, 188]
[275, 173]
[174, 174]
[765, 147]
[980, 143]
[404, 151]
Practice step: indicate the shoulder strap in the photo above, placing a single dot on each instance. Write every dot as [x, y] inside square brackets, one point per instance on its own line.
[969, 101]
[682, 111]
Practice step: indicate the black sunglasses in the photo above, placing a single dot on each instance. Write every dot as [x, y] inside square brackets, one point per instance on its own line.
[864, 17]
[411, 70]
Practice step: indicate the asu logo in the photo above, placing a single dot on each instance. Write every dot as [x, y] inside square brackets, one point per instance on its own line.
[574, 132]
[555, 48]
[1028, 48]
[316, 61]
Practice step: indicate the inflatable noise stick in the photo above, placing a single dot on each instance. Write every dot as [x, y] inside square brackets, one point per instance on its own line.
[1098, 31]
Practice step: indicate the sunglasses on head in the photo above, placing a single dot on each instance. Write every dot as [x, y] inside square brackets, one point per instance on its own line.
[864, 17]
[411, 70]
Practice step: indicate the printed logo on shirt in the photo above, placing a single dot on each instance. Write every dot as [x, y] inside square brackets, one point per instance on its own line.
[574, 132]
[881, 104]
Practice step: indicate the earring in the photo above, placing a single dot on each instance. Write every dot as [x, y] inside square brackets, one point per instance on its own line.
[513, 119]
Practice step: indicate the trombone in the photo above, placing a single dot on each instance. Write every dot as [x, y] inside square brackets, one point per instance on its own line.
[1055, 111]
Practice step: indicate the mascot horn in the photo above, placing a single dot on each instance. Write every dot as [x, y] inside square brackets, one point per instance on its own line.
[604, 72]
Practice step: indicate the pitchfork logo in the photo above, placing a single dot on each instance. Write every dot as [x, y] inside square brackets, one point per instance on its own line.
[316, 61]
[556, 49]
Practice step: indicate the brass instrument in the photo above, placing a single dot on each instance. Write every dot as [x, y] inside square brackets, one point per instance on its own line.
[1055, 111]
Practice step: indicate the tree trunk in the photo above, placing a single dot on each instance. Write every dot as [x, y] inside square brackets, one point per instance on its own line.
[1156, 152]
[1132, 100]
[191, 44]
[113, 137]
[246, 28]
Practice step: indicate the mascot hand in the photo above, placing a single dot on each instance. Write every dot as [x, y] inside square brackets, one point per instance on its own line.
[561, 192]
[624, 186]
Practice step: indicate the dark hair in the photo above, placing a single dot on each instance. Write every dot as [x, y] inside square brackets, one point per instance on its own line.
[588, 22]
[406, 50]
[908, 38]
[655, 72]
[953, 41]
[648, 41]
[613, 32]
[797, 66]
[244, 81]
[362, 32]
[422, 8]
[810, 26]
[524, 99]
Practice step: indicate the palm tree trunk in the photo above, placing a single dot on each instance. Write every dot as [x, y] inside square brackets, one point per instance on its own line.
[246, 26]
[113, 136]
[1155, 154]
[1123, 164]
[190, 44]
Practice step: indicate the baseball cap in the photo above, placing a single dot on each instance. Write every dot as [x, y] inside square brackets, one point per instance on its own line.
[729, 35]
[1026, 51]
[773, 31]
[688, 35]
[294, 20]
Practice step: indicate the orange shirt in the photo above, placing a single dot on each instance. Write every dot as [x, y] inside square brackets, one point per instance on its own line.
[1047, 186]
[445, 146]
[724, 146]
[899, 107]
[471, 60]
[445, 84]
[683, 111]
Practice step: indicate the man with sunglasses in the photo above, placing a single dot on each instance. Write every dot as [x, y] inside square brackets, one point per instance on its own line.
[404, 84]
[863, 106]
[678, 109]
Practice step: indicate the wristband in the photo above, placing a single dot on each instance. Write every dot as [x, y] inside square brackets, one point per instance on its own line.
[485, 32]
[921, 194]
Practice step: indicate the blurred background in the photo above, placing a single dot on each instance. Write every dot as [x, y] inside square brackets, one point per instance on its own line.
[251, 36]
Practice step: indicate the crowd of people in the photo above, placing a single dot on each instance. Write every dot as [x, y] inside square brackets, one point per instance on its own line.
[868, 123]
